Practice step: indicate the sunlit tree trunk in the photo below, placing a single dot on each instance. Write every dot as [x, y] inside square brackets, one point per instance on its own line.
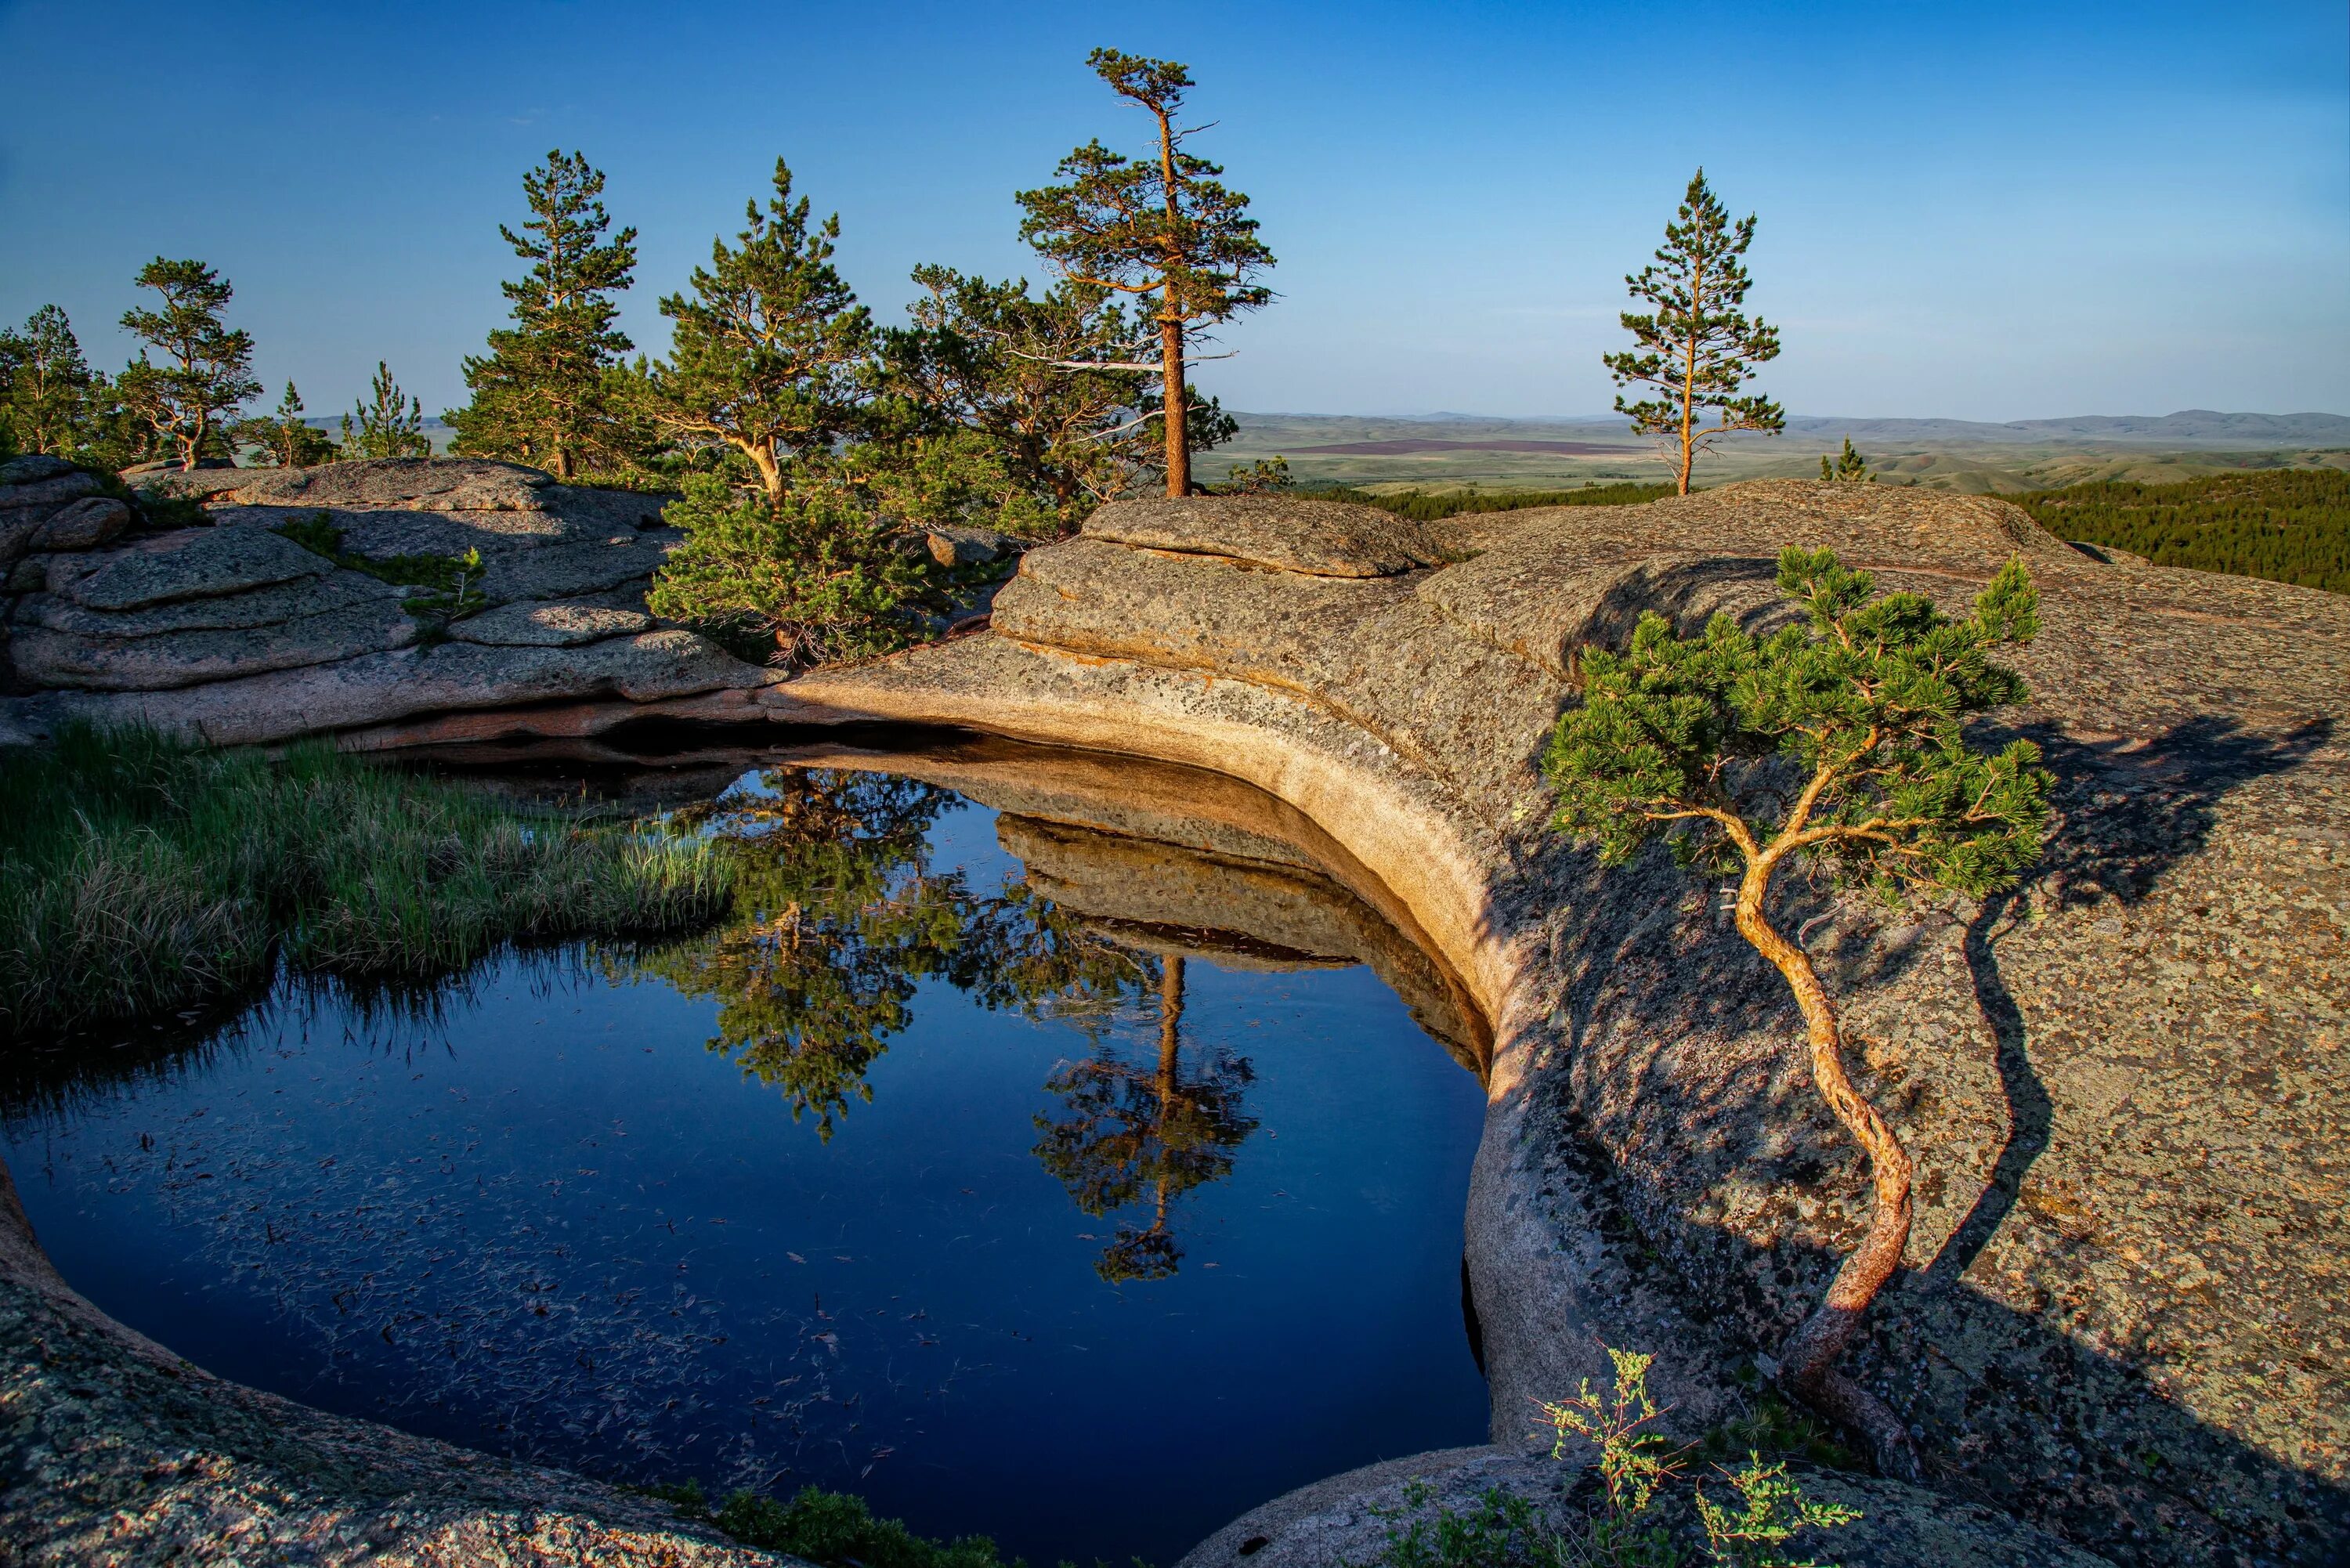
[1170, 335]
[1807, 1360]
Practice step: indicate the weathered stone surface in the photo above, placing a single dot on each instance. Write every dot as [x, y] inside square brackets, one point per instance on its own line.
[2124, 1084]
[253, 609]
[383, 687]
[164, 660]
[535, 624]
[192, 563]
[1289, 533]
[51, 487]
[84, 525]
[409, 483]
[32, 468]
[53, 490]
[568, 570]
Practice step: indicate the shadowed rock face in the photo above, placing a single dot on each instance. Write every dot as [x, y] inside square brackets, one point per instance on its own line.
[2123, 1084]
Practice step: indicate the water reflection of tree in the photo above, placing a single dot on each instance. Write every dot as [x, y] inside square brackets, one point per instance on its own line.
[837, 919]
[1134, 1132]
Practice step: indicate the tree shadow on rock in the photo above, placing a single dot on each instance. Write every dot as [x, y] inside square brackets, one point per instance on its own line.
[1677, 1062]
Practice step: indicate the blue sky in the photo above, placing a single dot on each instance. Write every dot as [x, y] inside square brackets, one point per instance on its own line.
[1981, 211]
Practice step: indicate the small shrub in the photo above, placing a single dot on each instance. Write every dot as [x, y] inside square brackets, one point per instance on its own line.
[1639, 1523]
[829, 1529]
[814, 575]
[1774, 1508]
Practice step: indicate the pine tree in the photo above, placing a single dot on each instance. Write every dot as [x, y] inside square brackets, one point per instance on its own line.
[1162, 229]
[994, 360]
[1838, 741]
[772, 355]
[210, 375]
[47, 392]
[1847, 468]
[544, 393]
[1698, 347]
[392, 425]
[285, 437]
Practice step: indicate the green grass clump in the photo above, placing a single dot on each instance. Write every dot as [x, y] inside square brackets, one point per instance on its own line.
[2288, 526]
[140, 874]
[1427, 507]
[452, 583]
[830, 1529]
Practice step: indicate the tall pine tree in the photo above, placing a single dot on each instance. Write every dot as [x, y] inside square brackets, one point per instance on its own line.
[772, 355]
[48, 391]
[1698, 348]
[544, 394]
[208, 375]
[1160, 228]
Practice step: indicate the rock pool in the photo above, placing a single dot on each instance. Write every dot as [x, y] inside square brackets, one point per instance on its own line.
[1032, 1161]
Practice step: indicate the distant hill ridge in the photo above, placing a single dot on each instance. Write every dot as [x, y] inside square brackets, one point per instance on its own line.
[2186, 428]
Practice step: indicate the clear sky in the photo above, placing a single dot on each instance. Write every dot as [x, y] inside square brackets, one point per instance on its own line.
[1981, 210]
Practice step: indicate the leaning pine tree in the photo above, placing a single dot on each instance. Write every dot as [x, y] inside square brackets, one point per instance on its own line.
[207, 370]
[770, 353]
[1162, 229]
[1698, 349]
[1839, 740]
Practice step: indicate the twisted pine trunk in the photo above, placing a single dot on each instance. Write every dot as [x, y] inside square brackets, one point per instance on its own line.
[1807, 1361]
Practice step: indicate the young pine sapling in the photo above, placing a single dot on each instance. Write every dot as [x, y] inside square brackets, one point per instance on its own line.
[1840, 741]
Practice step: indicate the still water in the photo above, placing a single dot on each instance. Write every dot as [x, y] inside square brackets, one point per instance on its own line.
[1076, 1187]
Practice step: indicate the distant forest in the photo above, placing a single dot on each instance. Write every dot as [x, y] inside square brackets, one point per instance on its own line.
[2288, 526]
[1422, 506]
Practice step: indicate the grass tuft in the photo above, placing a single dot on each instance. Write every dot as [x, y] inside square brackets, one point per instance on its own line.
[140, 874]
[829, 1529]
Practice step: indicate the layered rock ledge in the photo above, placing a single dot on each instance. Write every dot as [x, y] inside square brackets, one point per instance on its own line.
[2124, 1084]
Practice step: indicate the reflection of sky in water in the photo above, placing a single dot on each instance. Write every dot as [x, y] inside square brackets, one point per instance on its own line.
[552, 1222]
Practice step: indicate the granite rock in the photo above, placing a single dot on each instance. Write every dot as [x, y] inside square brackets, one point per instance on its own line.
[167, 660]
[1284, 532]
[191, 564]
[84, 525]
[250, 609]
[527, 623]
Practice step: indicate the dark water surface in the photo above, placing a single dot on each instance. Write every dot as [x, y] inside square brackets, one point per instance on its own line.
[1024, 1200]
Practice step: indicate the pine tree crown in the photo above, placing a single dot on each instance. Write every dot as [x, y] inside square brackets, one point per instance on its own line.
[1117, 225]
[1697, 289]
[1840, 737]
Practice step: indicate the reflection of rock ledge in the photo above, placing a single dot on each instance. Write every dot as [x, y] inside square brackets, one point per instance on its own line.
[1286, 907]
